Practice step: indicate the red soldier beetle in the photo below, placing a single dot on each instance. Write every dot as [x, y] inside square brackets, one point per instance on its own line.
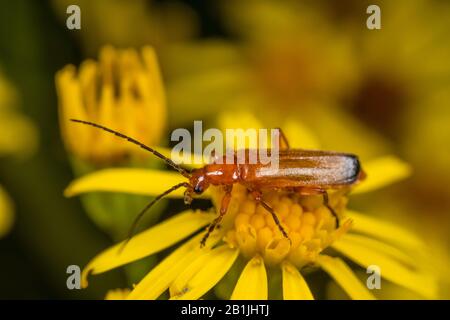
[308, 172]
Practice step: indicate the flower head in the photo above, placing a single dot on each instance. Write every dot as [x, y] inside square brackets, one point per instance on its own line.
[309, 223]
[123, 90]
[248, 234]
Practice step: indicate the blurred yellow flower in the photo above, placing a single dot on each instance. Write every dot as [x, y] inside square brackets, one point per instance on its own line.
[404, 93]
[402, 65]
[123, 90]
[290, 62]
[130, 23]
[18, 137]
[248, 234]
[6, 213]
[288, 55]
[294, 53]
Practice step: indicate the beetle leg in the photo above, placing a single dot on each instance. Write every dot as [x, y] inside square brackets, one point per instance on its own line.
[283, 141]
[326, 203]
[258, 198]
[309, 191]
[324, 193]
[223, 209]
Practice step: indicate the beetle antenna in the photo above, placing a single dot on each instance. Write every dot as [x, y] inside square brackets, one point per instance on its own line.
[147, 207]
[181, 170]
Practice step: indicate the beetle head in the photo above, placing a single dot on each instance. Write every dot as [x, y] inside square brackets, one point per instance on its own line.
[198, 182]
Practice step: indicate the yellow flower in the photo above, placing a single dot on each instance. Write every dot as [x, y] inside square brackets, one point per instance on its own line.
[288, 54]
[123, 90]
[289, 58]
[247, 234]
[18, 137]
[406, 96]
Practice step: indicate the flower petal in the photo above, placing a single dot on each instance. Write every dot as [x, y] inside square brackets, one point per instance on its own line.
[136, 181]
[160, 277]
[299, 136]
[338, 130]
[391, 269]
[178, 159]
[382, 172]
[294, 285]
[387, 249]
[203, 273]
[345, 277]
[117, 294]
[252, 284]
[240, 120]
[384, 230]
[148, 242]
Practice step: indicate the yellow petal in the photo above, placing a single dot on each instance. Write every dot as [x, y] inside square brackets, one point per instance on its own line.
[345, 277]
[240, 120]
[136, 181]
[299, 136]
[178, 159]
[148, 242]
[151, 61]
[389, 250]
[6, 213]
[252, 284]
[391, 269]
[71, 106]
[160, 277]
[117, 294]
[384, 230]
[338, 130]
[382, 172]
[178, 286]
[294, 285]
[203, 273]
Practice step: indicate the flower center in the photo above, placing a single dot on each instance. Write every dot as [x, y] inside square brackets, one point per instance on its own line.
[308, 222]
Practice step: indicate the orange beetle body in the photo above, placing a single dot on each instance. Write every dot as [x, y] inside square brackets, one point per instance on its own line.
[298, 170]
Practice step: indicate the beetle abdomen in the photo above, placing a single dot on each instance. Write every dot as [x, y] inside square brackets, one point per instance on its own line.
[304, 168]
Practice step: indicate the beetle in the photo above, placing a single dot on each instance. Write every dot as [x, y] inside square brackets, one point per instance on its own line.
[307, 172]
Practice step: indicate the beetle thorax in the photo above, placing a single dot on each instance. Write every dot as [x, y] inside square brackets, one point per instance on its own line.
[221, 174]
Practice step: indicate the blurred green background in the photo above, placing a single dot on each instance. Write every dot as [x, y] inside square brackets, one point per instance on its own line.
[371, 92]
